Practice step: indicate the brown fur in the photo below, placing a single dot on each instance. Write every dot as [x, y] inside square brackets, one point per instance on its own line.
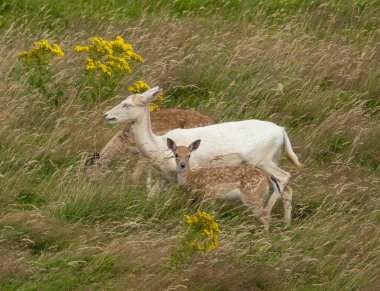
[237, 177]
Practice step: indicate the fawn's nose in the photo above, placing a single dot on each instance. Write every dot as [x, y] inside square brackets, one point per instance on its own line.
[182, 165]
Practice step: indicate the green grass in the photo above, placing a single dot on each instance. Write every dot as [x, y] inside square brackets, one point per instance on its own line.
[309, 66]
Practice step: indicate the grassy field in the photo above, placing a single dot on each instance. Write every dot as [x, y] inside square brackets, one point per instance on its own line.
[311, 66]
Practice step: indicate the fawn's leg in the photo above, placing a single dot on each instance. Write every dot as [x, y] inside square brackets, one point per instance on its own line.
[253, 199]
[287, 197]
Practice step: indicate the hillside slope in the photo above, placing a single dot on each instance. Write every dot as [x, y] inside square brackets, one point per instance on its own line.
[313, 68]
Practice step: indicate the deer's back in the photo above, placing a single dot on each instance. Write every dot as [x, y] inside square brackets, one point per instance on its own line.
[169, 119]
[236, 177]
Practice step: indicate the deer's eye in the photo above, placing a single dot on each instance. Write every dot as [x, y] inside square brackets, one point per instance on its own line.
[176, 155]
[188, 156]
[126, 105]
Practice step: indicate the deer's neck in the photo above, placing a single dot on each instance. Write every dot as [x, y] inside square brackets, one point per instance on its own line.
[184, 176]
[148, 144]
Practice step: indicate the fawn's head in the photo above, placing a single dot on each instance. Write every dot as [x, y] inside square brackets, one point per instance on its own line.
[132, 107]
[182, 153]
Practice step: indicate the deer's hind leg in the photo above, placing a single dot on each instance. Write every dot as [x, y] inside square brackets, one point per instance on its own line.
[280, 175]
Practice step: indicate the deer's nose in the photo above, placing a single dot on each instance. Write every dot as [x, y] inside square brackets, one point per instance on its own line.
[108, 118]
[182, 165]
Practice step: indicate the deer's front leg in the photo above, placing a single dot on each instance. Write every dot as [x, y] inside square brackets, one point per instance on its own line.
[140, 167]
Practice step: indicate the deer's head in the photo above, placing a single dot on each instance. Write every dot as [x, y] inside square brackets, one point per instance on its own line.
[132, 107]
[182, 154]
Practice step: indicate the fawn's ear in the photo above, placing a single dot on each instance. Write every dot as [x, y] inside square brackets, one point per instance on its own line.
[194, 145]
[171, 144]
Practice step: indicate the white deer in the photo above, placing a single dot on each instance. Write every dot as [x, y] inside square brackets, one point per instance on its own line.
[253, 142]
[122, 143]
[246, 183]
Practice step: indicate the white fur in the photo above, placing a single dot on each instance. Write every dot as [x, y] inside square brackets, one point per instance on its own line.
[254, 142]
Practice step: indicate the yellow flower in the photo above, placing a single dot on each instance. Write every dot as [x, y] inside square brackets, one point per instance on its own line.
[118, 63]
[41, 51]
[139, 87]
[57, 50]
[125, 49]
[154, 107]
[45, 46]
[188, 219]
[102, 67]
[208, 230]
[101, 46]
[82, 49]
[110, 56]
[92, 65]
[197, 246]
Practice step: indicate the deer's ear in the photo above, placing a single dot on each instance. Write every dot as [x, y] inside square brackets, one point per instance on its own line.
[171, 144]
[150, 95]
[194, 145]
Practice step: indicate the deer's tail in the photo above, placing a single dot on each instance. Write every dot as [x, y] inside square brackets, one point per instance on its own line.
[290, 153]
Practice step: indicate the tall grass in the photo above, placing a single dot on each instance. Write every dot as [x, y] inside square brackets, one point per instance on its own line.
[311, 67]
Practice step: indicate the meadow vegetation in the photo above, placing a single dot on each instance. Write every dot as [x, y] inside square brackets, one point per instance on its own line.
[311, 66]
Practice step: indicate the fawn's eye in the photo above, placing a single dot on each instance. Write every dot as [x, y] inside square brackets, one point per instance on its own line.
[126, 105]
[188, 156]
[176, 155]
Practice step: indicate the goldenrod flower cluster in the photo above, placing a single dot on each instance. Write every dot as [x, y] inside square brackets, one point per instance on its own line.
[97, 65]
[109, 57]
[140, 87]
[208, 228]
[40, 52]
